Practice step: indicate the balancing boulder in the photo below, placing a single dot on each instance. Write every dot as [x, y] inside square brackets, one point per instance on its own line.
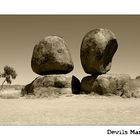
[97, 50]
[51, 56]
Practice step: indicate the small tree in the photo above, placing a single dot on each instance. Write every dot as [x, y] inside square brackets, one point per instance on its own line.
[8, 73]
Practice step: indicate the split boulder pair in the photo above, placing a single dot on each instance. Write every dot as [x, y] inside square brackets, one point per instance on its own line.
[51, 56]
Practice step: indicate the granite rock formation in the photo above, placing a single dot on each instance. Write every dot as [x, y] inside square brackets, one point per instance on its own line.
[44, 85]
[107, 84]
[51, 56]
[97, 50]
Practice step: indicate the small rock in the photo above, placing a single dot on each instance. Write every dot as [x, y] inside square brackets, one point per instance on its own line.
[76, 85]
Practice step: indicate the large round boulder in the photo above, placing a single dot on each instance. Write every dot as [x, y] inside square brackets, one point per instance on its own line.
[97, 50]
[51, 56]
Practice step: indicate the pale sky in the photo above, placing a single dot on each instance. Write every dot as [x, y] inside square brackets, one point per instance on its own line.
[19, 34]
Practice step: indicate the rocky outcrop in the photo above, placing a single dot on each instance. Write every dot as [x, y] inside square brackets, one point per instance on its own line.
[55, 84]
[51, 56]
[107, 84]
[97, 50]
[42, 92]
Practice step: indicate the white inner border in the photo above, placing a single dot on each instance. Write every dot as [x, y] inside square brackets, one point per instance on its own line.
[64, 7]
[69, 7]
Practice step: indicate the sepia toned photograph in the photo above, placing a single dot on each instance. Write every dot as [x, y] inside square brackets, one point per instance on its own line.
[69, 70]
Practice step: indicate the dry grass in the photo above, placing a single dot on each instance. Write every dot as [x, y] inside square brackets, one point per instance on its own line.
[71, 110]
[10, 93]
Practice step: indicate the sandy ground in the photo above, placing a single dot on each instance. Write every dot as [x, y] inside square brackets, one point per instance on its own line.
[71, 110]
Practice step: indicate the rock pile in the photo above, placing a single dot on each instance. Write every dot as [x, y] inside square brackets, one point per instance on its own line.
[112, 84]
[51, 58]
[106, 84]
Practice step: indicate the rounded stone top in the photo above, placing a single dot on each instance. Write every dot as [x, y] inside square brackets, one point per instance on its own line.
[51, 56]
[97, 50]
